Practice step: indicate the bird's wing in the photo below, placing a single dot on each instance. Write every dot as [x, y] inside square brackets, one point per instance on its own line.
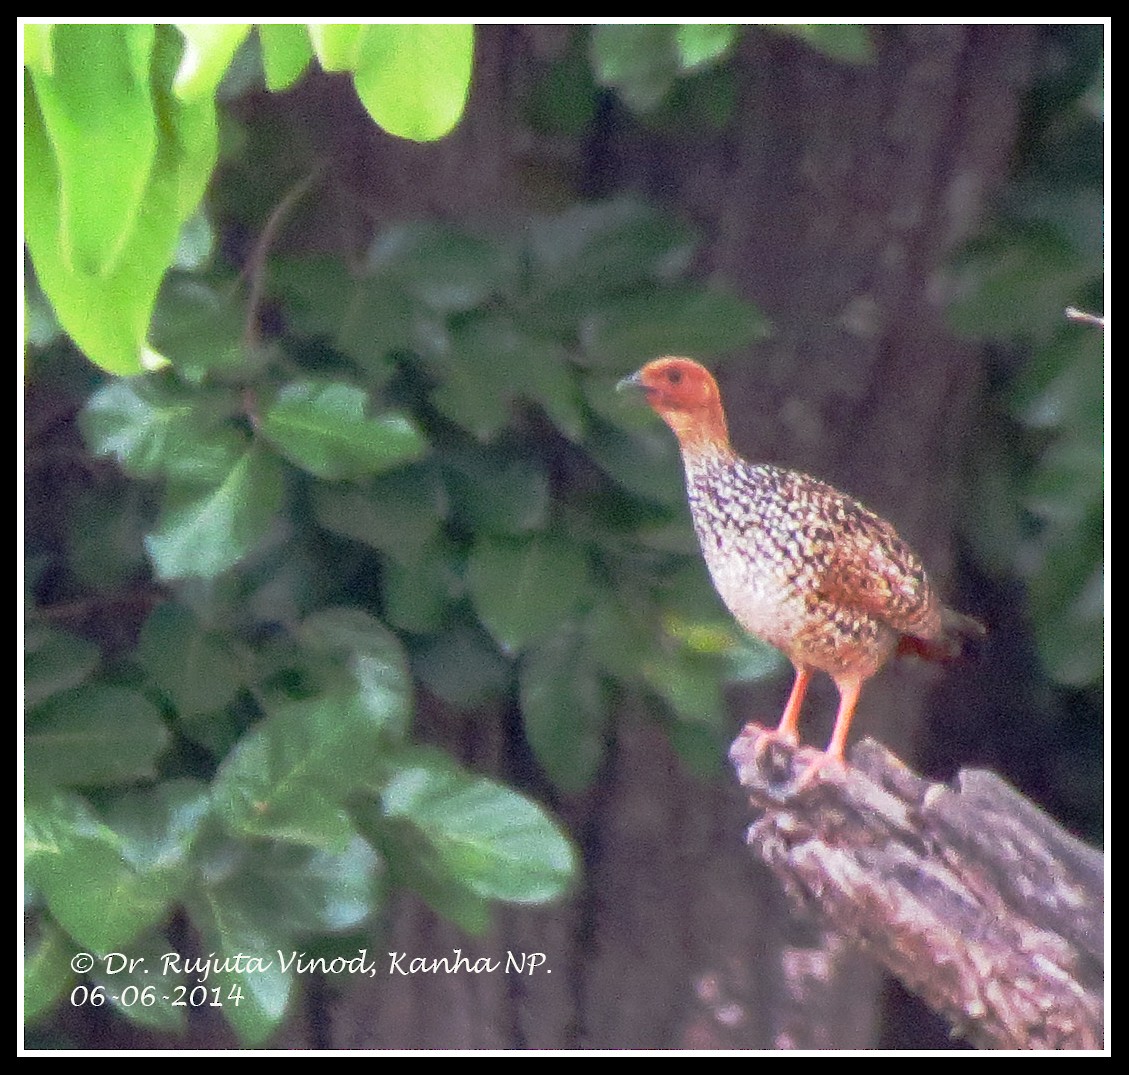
[869, 569]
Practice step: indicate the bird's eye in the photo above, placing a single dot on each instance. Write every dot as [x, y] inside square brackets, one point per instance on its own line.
[674, 376]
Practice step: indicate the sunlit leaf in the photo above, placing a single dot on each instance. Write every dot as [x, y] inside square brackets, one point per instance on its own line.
[414, 79]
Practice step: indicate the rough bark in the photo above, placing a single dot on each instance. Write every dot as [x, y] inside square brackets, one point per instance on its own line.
[971, 895]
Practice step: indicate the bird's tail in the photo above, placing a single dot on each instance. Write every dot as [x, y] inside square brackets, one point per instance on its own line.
[958, 638]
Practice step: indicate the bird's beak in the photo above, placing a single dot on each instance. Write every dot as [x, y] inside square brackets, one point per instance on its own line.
[631, 383]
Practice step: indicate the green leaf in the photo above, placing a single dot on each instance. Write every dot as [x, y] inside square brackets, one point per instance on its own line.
[205, 533]
[492, 840]
[106, 532]
[337, 45]
[1016, 283]
[108, 315]
[399, 513]
[440, 265]
[640, 62]
[260, 903]
[526, 588]
[672, 320]
[37, 47]
[94, 734]
[564, 711]
[701, 45]
[286, 54]
[54, 662]
[231, 921]
[419, 592]
[208, 51]
[290, 775]
[839, 41]
[279, 779]
[414, 79]
[194, 668]
[412, 864]
[646, 463]
[47, 970]
[322, 428]
[102, 886]
[198, 328]
[492, 363]
[690, 683]
[579, 255]
[373, 658]
[497, 490]
[155, 428]
[1071, 638]
[463, 667]
[115, 976]
[97, 109]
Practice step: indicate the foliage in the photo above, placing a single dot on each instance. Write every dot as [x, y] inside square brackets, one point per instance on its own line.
[422, 481]
[1039, 501]
[121, 140]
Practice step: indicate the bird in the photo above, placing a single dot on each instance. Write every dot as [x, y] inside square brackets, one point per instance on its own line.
[801, 565]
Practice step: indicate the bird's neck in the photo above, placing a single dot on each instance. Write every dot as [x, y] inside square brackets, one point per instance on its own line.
[702, 433]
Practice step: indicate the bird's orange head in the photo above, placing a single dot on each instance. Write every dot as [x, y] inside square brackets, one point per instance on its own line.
[686, 397]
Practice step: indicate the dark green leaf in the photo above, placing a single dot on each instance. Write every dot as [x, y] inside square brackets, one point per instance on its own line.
[204, 533]
[526, 588]
[196, 669]
[54, 662]
[491, 364]
[646, 463]
[157, 429]
[670, 320]
[578, 255]
[839, 41]
[106, 534]
[689, 683]
[1016, 283]
[701, 44]
[639, 61]
[322, 428]
[198, 328]
[419, 593]
[440, 266]
[564, 711]
[497, 491]
[399, 513]
[94, 734]
[495, 842]
[463, 667]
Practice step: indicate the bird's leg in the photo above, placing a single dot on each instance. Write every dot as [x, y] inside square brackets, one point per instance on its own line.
[849, 690]
[789, 726]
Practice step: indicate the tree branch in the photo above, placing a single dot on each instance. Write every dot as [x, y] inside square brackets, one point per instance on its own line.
[972, 896]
